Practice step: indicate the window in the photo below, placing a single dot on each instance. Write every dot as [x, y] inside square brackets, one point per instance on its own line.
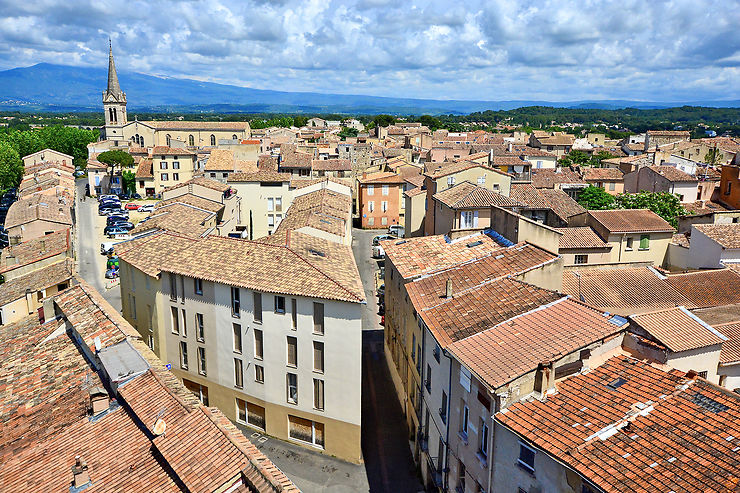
[464, 416]
[235, 302]
[291, 384]
[292, 351]
[428, 382]
[306, 430]
[175, 317]
[270, 205]
[202, 360]
[318, 394]
[184, 324]
[256, 415]
[386, 188]
[258, 344]
[257, 298]
[191, 140]
[384, 206]
[483, 440]
[729, 188]
[175, 176]
[278, 204]
[371, 189]
[460, 476]
[611, 186]
[318, 318]
[238, 373]
[629, 243]
[526, 458]
[318, 356]
[482, 180]
[237, 337]
[241, 411]
[133, 307]
[581, 259]
[151, 342]
[164, 177]
[294, 313]
[176, 165]
[173, 287]
[702, 374]
[259, 373]
[450, 181]
[413, 347]
[213, 140]
[468, 219]
[184, 355]
[279, 304]
[443, 409]
[198, 286]
[271, 220]
[644, 242]
[370, 206]
[200, 332]
[436, 351]
[162, 165]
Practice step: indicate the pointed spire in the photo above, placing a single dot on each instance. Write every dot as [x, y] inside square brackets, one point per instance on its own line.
[114, 88]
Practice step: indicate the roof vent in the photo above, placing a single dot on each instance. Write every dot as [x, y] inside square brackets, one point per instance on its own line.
[709, 404]
[474, 243]
[615, 384]
[316, 252]
[448, 288]
[79, 474]
[614, 319]
[325, 221]
[99, 401]
[400, 242]
[159, 427]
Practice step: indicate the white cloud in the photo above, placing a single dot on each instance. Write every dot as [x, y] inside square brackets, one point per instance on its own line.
[556, 50]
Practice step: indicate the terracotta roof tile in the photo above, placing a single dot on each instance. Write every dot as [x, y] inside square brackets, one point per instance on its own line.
[730, 354]
[37, 280]
[603, 174]
[171, 151]
[220, 160]
[191, 199]
[178, 218]
[678, 329]
[673, 174]
[674, 421]
[669, 133]
[515, 347]
[52, 208]
[466, 195]
[381, 177]
[331, 165]
[726, 235]
[581, 237]
[631, 221]
[445, 169]
[204, 126]
[548, 178]
[708, 287]
[204, 182]
[260, 176]
[145, 169]
[34, 250]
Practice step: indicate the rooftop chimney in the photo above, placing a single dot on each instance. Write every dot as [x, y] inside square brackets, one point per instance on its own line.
[448, 288]
[511, 147]
[99, 400]
[79, 473]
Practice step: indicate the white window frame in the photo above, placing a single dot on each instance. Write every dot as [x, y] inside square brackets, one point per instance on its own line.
[521, 463]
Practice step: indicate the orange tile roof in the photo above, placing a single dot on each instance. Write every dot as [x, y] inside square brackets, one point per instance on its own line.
[144, 170]
[707, 288]
[730, 354]
[625, 291]
[414, 257]
[266, 176]
[669, 133]
[331, 165]
[603, 174]
[34, 250]
[673, 174]
[220, 160]
[548, 178]
[171, 151]
[178, 218]
[52, 208]
[34, 281]
[678, 329]
[193, 200]
[581, 237]
[726, 235]
[631, 221]
[515, 347]
[656, 431]
[381, 177]
[445, 169]
[414, 192]
[466, 195]
[204, 182]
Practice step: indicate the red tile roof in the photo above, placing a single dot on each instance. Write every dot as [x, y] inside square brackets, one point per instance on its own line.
[708, 287]
[726, 235]
[603, 174]
[673, 174]
[171, 151]
[651, 430]
[515, 347]
[631, 221]
[466, 195]
[678, 329]
[548, 178]
[581, 237]
[730, 354]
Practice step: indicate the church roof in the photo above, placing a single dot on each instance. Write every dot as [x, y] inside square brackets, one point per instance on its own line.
[114, 88]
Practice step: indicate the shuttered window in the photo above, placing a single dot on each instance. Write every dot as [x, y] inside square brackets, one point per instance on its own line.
[318, 356]
[318, 394]
[292, 351]
[256, 415]
[306, 430]
[644, 242]
[318, 318]
[258, 307]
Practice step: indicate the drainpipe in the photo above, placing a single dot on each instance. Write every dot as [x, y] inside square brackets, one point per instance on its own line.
[620, 246]
[447, 424]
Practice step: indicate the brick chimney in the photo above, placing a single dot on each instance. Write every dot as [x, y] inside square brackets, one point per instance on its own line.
[99, 400]
[448, 288]
[79, 473]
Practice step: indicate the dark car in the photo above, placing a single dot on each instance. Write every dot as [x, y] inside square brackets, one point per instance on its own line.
[125, 226]
[112, 231]
[111, 220]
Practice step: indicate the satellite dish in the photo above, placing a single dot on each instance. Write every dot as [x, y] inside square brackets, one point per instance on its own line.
[159, 427]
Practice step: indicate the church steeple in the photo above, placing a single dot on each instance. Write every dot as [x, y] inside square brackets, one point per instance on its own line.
[114, 88]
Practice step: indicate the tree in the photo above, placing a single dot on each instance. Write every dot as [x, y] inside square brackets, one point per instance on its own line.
[666, 205]
[11, 166]
[713, 157]
[596, 159]
[348, 132]
[431, 122]
[116, 158]
[595, 198]
[300, 121]
[574, 158]
[384, 120]
[129, 182]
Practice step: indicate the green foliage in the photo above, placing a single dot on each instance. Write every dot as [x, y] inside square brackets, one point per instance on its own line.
[129, 181]
[666, 205]
[348, 132]
[116, 158]
[384, 120]
[713, 157]
[11, 166]
[597, 158]
[300, 121]
[430, 121]
[595, 198]
[574, 158]
[280, 121]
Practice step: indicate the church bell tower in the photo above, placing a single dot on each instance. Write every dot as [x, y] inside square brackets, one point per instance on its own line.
[114, 102]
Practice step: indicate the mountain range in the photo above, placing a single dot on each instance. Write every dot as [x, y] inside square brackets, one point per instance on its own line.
[50, 87]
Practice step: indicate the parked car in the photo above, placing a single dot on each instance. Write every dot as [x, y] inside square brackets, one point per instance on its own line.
[79, 173]
[111, 273]
[117, 212]
[378, 252]
[113, 231]
[379, 238]
[146, 208]
[111, 220]
[107, 247]
[381, 290]
[396, 229]
[132, 207]
[108, 197]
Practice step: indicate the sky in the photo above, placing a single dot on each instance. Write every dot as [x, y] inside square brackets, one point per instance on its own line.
[488, 50]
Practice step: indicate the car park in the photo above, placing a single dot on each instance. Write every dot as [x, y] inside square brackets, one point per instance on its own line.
[132, 207]
[379, 238]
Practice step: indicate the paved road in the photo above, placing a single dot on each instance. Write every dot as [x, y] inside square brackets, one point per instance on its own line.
[89, 232]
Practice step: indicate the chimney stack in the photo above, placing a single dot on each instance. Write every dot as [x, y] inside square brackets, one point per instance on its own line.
[448, 288]
[511, 147]
[99, 400]
[79, 473]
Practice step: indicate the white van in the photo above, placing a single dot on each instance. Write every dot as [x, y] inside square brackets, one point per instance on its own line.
[396, 229]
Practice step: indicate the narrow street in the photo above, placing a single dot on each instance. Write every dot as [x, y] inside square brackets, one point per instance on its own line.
[89, 235]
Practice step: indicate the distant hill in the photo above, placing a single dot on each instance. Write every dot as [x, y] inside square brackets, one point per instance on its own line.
[49, 87]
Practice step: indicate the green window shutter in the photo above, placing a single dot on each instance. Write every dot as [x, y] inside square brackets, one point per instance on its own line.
[644, 242]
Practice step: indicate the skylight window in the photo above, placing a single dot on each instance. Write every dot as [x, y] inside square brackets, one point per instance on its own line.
[709, 404]
[474, 243]
[615, 384]
[316, 252]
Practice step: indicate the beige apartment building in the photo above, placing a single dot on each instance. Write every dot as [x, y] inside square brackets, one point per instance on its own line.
[163, 168]
[269, 332]
[266, 196]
